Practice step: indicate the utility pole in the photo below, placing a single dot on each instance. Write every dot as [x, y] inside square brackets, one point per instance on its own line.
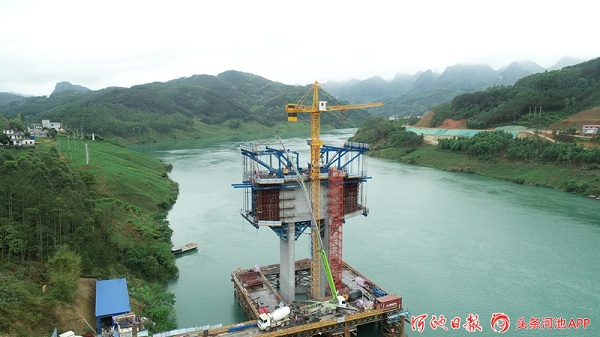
[87, 154]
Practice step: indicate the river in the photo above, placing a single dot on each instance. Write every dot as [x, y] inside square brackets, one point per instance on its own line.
[450, 244]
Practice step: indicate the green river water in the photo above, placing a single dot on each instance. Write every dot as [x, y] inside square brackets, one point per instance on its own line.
[450, 244]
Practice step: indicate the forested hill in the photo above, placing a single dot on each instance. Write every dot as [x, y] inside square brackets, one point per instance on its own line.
[168, 107]
[537, 100]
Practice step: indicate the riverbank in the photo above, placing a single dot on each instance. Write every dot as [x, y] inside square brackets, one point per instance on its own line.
[561, 177]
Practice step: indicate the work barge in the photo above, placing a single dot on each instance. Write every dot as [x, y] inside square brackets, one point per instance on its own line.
[255, 291]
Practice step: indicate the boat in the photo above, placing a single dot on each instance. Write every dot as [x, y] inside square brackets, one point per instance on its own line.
[593, 197]
[185, 248]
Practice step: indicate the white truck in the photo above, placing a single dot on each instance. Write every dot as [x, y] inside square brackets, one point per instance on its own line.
[279, 317]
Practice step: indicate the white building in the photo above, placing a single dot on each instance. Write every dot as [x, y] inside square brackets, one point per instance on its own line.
[46, 123]
[23, 142]
[17, 138]
[590, 129]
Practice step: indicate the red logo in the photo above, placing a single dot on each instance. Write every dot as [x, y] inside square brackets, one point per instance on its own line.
[500, 322]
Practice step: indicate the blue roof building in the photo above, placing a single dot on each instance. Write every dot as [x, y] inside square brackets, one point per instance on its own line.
[112, 299]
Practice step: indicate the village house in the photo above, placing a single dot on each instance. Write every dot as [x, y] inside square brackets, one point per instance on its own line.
[33, 131]
[590, 129]
[18, 138]
[37, 131]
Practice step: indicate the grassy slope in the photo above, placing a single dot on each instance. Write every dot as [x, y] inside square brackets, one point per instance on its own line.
[121, 173]
[554, 176]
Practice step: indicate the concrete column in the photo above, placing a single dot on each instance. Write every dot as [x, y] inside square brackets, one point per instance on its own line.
[287, 265]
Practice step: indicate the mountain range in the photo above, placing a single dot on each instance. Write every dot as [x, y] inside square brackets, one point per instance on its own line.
[418, 93]
[234, 95]
[182, 105]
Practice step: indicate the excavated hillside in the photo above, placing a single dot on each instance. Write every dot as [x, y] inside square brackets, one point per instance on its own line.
[577, 121]
[448, 124]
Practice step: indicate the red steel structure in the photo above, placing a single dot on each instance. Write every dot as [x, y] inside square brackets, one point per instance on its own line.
[336, 217]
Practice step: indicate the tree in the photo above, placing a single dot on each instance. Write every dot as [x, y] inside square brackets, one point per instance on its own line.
[157, 306]
[17, 124]
[151, 261]
[52, 133]
[64, 268]
[4, 139]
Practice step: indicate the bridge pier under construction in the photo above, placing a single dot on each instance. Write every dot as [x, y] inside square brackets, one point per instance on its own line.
[289, 199]
[276, 196]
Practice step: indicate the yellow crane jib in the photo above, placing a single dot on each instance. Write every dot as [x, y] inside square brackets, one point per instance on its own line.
[320, 106]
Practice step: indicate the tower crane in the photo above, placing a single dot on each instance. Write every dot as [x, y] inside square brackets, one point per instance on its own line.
[315, 167]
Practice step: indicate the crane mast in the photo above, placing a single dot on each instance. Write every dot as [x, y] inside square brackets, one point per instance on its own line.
[315, 169]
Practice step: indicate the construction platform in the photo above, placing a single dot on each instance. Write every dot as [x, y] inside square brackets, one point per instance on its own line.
[255, 291]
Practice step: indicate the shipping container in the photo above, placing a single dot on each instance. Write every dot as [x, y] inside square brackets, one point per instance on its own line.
[388, 301]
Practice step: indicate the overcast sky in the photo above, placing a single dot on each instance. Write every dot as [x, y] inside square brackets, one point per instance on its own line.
[105, 43]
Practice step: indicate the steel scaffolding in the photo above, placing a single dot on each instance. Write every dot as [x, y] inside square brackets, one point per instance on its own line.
[336, 218]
